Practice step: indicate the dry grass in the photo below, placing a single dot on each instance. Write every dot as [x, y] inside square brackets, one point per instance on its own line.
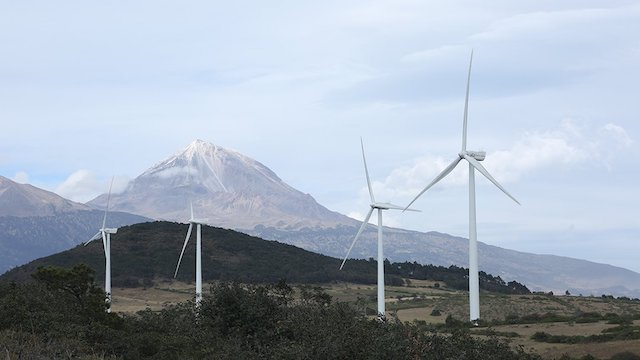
[417, 301]
[599, 350]
[131, 300]
[423, 313]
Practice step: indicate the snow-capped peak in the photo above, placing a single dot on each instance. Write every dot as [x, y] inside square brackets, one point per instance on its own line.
[227, 187]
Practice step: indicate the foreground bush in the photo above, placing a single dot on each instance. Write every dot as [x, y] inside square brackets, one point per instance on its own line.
[61, 315]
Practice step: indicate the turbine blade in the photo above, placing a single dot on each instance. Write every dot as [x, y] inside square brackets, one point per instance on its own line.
[398, 207]
[366, 171]
[97, 236]
[186, 240]
[364, 224]
[190, 181]
[440, 176]
[106, 210]
[476, 164]
[466, 107]
[104, 244]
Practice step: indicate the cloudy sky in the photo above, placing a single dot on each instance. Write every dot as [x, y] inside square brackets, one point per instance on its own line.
[91, 89]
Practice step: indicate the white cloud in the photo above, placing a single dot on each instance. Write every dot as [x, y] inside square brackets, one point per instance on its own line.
[617, 134]
[175, 171]
[82, 186]
[21, 177]
[564, 145]
[570, 143]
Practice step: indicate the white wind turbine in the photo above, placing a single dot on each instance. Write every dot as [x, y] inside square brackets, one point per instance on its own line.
[105, 234]
[473, 158]
[375, 206]
[198, 223]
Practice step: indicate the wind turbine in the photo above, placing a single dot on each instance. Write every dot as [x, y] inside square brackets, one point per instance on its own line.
[198, 223]
[105, 234]
[375, 206]
[473, 158]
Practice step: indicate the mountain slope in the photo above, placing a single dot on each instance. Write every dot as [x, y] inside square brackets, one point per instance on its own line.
[147, 252]
[230, 189]
[143, 252]
[36, 223]
[538, 272]
[23, 200]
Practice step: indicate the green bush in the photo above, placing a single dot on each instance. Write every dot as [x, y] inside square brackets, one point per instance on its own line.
[62, 314]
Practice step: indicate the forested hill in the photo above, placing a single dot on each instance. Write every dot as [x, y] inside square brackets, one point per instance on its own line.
[147, 252]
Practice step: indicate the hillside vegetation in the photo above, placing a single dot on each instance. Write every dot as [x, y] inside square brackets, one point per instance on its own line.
[143, 253]
[62, 315]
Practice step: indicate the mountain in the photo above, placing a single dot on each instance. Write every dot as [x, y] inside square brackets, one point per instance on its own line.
[35, 223]
[23, 200]
[234, 191]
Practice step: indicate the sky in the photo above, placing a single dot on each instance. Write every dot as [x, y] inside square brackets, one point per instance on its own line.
[89, 90]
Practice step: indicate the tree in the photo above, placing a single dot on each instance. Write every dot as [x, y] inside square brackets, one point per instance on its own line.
[79, 282]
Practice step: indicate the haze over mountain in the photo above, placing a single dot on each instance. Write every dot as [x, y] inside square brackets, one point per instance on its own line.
[35, 223]
[234, 191]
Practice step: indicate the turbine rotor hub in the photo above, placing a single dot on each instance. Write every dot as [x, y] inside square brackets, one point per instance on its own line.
[478, 155]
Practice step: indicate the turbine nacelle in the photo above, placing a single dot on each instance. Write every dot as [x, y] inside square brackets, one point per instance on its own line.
[389, 206]
[109, 230]
[478, 155]
[198, 221]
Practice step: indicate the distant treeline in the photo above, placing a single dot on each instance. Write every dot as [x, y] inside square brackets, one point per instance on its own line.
[455, 277]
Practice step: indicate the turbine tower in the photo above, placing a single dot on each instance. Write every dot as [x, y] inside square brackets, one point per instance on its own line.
[473, 158]
[198, 223]
[375, 206]
[105, 234]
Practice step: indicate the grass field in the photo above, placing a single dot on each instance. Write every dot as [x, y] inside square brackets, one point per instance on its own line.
[418, 300]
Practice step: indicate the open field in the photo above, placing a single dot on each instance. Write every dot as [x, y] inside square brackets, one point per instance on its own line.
[418, 301]
[130, 300]
[599, 350]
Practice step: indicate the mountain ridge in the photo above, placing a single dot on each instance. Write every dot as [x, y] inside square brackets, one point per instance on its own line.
[24, 200]
[35, 223]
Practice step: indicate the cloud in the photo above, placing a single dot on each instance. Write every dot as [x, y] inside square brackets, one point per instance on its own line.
[570, 143]
[617, 134]
[565, 145]
[21, 177]
[175, 171]
[82, 186]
